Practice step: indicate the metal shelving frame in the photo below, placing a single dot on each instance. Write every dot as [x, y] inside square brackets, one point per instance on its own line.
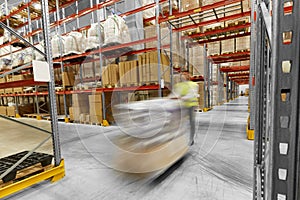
[276, 167]
[57, 172]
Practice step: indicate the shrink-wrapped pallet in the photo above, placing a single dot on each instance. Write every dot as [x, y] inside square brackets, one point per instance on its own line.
[74, 43]
[18, 59]
[116, 30]
[58, 45]
[41, 47]
[6, 63]
[28, 53]
[93, 41]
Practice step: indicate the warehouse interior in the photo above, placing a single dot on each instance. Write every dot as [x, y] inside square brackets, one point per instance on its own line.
[149, 99]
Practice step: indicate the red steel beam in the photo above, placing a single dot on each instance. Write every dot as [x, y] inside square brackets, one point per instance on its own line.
[239, 74]
[235, 68]
[214, 32]
[205, 23]
[201, 42]
[230, 57]
[22, 83]
[197, 10]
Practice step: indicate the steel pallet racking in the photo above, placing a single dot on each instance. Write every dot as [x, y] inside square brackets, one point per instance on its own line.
[57, 172]
[276, 167]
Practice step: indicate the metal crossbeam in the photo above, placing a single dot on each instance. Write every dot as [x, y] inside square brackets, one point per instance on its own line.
[277, 152]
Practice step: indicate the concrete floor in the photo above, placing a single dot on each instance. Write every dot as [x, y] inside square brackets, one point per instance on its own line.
[217, 167]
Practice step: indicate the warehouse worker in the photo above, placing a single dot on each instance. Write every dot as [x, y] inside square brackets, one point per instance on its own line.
[187, 91]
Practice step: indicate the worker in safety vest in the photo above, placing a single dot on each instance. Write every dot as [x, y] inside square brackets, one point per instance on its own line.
[187, 91]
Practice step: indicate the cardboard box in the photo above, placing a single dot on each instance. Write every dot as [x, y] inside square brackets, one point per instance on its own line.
[9, 90]
[214, 48]
[11, 111]
[68, 78]
[134, 72]
[2, 80]
[95, 108]
[3, 110]
[18, 89]
[97, 97]
[227, 46]
[97, 119]
[71, 113]
[18, 77]
[243, 43]
[80, 103]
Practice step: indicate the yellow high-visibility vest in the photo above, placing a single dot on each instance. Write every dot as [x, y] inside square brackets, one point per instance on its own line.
[188, 91]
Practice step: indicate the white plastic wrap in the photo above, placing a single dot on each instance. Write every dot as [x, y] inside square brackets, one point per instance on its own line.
[28, 55]
[4, 50]
[37, 55]
[5, 36]
[116, 30]
[74, 43]
[6, 62]
[92, 41]
[149, 12]
[1, 40]
[15, 60]
[58, 45]
[94, 30]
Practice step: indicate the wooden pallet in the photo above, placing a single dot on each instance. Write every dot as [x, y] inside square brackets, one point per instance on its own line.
[36, 115]
[33, 164]
[25, 173]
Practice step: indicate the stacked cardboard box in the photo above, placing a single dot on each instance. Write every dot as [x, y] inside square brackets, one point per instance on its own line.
[60, 103]
[9, 90]
[3, 110]
[148, 68]
[214, 48]
[215, 95]
[201, 95]
[68, 78]
[2, 80]
[95, 114]
[80, 105]
[110, 75]
[243, 43]
[11, 111]
[245, 63]
[228, 46]
[109, 104]
[128, 73]
[197, 60]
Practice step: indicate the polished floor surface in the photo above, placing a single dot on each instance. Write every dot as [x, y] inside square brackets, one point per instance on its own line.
[217, 167]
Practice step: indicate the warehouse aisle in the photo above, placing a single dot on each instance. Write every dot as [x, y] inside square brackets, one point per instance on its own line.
[218, 166]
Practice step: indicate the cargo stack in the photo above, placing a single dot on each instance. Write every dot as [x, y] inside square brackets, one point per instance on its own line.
[110, 76]
[80, 107]
[148, 68]
[2, 80]
[95, 102]
[128, 73]
[201, 95]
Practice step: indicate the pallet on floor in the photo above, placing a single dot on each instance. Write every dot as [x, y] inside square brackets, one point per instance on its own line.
[34, 164]
[36, 115]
